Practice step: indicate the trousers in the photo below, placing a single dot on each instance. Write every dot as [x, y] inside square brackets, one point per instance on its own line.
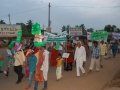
[95, 62]
[79, 66]
[18, 71]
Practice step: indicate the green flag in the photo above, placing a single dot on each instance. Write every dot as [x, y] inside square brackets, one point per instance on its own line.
[99, 35]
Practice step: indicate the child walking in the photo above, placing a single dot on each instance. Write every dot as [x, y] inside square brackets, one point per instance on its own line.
[59, 67]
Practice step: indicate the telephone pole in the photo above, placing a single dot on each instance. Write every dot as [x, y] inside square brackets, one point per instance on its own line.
[9, 18]
[49, 15]
[49, 20]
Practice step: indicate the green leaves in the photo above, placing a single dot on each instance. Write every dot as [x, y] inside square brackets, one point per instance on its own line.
[36, 29]
[19, 35]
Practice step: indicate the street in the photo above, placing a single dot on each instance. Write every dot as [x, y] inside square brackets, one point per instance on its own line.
[92, 81]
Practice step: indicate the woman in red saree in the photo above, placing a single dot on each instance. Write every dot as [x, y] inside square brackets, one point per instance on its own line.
[54, 55]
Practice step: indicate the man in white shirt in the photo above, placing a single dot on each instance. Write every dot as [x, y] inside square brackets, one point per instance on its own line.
[19, 62]
[80, 58]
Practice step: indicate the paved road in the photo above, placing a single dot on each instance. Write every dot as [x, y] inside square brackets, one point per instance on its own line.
[92, 81]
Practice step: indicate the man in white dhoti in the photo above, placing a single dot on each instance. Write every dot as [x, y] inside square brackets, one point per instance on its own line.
[45, 68]
[80, 58]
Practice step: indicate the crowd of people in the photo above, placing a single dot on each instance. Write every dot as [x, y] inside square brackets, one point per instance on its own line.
[34, 62]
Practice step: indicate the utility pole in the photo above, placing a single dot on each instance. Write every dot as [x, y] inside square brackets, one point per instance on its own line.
[9, 18]
[49, 21]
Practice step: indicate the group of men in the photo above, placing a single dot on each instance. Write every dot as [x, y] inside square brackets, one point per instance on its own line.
[37, 60]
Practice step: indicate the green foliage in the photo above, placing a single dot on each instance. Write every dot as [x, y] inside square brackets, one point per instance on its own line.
[39, 44]
[19, 35]
[36, 29]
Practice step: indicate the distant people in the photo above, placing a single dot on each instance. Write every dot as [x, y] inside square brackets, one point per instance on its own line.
[19, 58]
[114, 48]
[90, 48]
[80, 58]
[5, 66]
[61, 48]
[119, 46]
[59, 67]
[103, 52]
[32, 60]
[109, 51]
[68, 63]
[10, 60]
[1, 62]
[95, 59]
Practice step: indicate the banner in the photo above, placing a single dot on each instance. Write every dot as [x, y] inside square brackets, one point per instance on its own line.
[99, 35]
[55, 38]
[60, 39]
[9, 30]
[116, 36]
[75, 32]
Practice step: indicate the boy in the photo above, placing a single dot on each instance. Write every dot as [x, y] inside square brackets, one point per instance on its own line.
[59, 67]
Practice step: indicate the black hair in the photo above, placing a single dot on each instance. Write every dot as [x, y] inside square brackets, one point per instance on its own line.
[95, 42]
[60, 54]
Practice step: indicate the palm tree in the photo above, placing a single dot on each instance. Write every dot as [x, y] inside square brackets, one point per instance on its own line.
[63, 28]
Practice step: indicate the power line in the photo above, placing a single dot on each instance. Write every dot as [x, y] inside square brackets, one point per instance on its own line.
[23, 12]
[75, 6]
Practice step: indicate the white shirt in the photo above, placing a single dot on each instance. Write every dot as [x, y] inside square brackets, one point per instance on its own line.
[19, 58]
[80, 54]
[45, 65]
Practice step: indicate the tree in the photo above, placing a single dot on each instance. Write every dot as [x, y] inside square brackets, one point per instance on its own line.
[2, 22]
[108, 28]
[76, 26]
[90, 30]
[82, 26]
[68, 28]
[24, 29]
[29, 25]
[63, 28]
[118, 30]
[114, 28]
[111, 28]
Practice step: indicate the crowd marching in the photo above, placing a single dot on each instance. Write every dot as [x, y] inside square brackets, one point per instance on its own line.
[35, 62]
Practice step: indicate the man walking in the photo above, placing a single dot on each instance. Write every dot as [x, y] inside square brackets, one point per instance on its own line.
[95, 60]
[19, 62]
[103, 52]
[80, 58]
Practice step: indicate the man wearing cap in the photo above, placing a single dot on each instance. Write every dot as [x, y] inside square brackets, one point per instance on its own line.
[80, 58]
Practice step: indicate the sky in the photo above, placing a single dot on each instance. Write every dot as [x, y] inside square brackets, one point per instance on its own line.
[92, 13]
